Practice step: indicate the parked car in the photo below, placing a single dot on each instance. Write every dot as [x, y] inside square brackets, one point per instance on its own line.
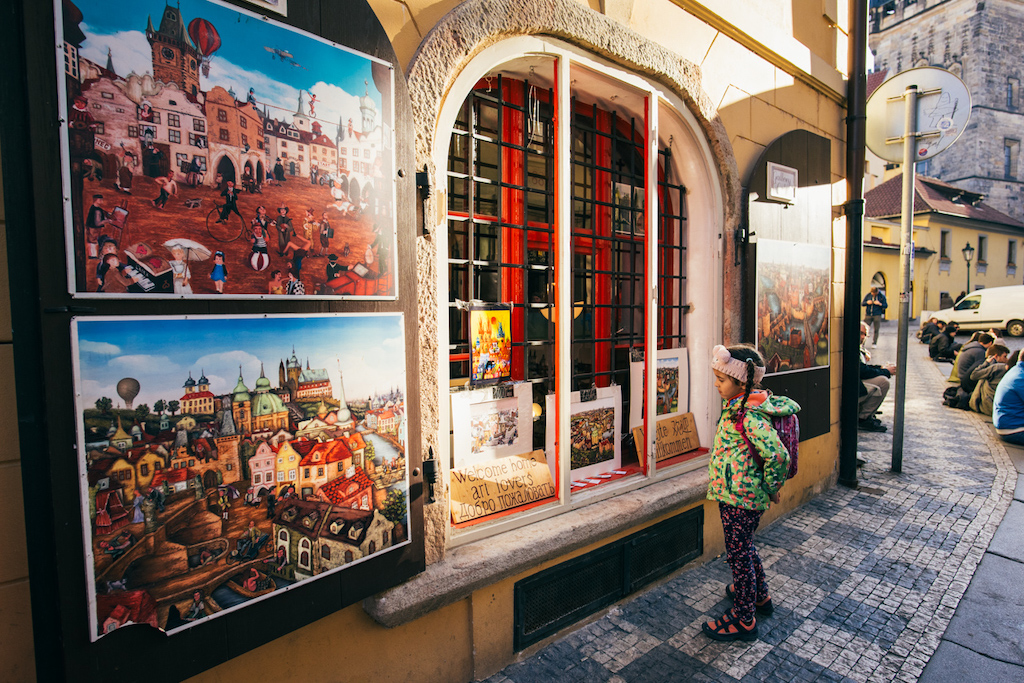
[995, 307]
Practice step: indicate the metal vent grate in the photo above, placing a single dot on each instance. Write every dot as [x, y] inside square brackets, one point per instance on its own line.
[561, 595]
[662, 549]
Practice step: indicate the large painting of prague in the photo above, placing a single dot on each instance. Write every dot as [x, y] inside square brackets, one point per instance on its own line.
[223, 460]
[793, 282]
[212, 152]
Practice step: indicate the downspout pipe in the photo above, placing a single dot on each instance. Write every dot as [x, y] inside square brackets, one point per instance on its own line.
[856, 99]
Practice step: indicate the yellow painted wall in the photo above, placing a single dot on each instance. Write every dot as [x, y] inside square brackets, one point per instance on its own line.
[769, 67]
[929, 279]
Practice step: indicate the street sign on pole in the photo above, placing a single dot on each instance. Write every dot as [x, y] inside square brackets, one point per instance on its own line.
[911, 117]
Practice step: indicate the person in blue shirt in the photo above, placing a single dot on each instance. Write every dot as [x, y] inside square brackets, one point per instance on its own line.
[875, 305]
[1008, 406]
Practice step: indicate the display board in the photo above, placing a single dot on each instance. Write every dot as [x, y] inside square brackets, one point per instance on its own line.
[70, 605]
[211, 151]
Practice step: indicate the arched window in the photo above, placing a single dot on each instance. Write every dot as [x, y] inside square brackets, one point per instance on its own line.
[348, 556]
[540, 205]
[304, 548]
[325, 551]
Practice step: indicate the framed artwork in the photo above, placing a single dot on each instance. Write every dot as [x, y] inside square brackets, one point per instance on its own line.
[491, 423]
[782, 183]
[279, 6]
[628, 209]
[594, 432]
[222, 460]
[793, 285]
[673, 390]
[210, 151]
[491, 343]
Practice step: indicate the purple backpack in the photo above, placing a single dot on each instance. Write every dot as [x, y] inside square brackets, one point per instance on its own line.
[788, 429]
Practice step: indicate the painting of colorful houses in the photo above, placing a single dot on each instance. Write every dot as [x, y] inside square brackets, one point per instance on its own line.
[209, 151]
[223, 460]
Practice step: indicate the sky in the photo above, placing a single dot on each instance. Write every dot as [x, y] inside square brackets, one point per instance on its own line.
[160, 353]
[334, 75]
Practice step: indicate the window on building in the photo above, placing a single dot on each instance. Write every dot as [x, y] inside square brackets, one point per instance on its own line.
[325, 551]
[319, 471]
[305, 472]
[1012, 93]
[945, 238]
[71, 60]
[144, 469]
[301, 148]
[982, 249]
[245, 139]
[291, 475]
[222, 115]
[107, 95]
[156, 117]
[349, 556]
[224, 134]
[199, 125]
[1011, 150]
[1011, 252]
[301, 158]
[133, 131]
[173, 135]
[504, 234]
[242, 122]
[284, 143]
[257, 478]
[284, 155]
[174, 120]
[100, 128]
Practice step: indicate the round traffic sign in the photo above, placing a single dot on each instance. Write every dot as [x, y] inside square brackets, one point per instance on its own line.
[943, 108]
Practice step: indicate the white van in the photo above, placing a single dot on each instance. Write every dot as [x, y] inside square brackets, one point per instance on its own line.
[1001, 308]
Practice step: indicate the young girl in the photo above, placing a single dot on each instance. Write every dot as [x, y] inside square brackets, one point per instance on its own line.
[743, 490]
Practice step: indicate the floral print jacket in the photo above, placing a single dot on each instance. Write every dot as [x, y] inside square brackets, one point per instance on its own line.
[735, 478]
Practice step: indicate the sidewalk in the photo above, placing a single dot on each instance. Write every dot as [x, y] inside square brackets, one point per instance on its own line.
[865, 582]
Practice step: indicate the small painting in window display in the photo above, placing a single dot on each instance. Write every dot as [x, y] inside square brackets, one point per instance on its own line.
[793, 282]
[592, 433]
[491, 350]
[223, 460]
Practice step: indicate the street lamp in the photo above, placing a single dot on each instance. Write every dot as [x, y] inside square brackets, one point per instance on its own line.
[968, 252]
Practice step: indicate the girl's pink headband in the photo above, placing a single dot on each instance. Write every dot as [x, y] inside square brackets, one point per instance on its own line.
[723, 361]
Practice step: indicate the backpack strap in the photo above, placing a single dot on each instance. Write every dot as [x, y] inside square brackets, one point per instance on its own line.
[750, 446]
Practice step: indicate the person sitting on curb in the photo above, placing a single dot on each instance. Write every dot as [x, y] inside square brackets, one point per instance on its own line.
[1008, 406]
[971, 355]
[987, 377]
[930, 329]
[874, 387]
[943, 347]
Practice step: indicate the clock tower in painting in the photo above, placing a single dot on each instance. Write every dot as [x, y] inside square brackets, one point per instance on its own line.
[175, 58]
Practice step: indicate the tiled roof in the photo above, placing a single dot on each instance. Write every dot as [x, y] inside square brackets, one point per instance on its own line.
[932, 195]
[326, 453]
[334, 490]
[875, 79]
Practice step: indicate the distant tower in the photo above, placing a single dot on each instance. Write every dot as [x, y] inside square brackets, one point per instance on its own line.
[175, 57]
[368, 110]
[241, 406]
[300, 120]
[344, 414]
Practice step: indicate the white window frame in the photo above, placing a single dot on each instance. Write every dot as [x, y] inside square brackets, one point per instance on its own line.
[705, 228]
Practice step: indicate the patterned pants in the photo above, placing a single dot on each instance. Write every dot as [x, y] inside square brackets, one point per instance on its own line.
[748, 577]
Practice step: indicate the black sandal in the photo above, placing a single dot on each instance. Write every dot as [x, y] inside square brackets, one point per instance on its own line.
[764, 608]
[728, 627]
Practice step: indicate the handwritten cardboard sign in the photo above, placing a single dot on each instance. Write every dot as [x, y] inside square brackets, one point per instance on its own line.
[672, 436]
[496, 485]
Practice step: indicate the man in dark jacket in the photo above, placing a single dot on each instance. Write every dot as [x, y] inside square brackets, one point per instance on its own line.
[972, 354]
[874, 308]
[930, 329]
[943, 347]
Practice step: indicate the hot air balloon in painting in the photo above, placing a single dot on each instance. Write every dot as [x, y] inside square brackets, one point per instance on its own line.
[128, 389]
[206, 38]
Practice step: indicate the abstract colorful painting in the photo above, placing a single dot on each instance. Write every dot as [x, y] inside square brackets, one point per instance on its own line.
[209, 151]
[491, 345]
[793, 282]
[223, 460]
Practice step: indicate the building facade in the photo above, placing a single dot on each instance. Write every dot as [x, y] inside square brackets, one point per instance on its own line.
[977, 42]
[669, 103]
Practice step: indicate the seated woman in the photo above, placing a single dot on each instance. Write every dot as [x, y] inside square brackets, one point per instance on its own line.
[1008, 406]
[987, 377]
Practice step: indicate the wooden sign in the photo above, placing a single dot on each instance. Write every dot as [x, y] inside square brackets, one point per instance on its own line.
[497, 485]
[673, 436]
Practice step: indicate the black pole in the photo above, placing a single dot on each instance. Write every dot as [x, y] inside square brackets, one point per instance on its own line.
[855, 123]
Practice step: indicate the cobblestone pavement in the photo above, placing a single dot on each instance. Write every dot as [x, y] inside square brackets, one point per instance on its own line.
[864, 582]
